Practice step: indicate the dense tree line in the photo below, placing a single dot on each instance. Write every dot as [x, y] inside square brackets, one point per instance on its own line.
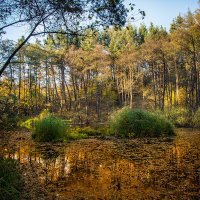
[59, 16]
[86, 76]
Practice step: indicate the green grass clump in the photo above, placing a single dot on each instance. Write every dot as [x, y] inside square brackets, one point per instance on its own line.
[49, 129]
[137, 123]
[10, 180]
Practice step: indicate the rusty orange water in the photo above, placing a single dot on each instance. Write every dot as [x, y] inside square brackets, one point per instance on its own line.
[165, 168]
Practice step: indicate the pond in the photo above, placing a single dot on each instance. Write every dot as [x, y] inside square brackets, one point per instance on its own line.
[164, 168]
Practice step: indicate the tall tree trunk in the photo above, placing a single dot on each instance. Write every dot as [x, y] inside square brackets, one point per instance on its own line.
[154, 86]
[131, 88]
[19, 89]
[177, 85]
[164, 83]
[64, 97]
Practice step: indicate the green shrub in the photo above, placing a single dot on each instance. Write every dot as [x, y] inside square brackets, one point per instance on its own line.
[49, 129]
[10, 180]
[196, 119]
[179, 116]
[104, 130]
[8, 121]
[137, 123]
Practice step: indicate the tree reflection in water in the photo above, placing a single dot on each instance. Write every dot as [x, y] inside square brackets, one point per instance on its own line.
[120, 169]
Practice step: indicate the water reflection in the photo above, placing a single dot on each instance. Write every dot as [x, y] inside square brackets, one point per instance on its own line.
[137, 169]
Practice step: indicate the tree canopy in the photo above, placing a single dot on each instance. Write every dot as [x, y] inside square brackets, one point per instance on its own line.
[59, 16]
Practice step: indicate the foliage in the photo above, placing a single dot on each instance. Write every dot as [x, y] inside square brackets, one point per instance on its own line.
[49, 129]
[196, 119]
[45, 113]
[101, 71]
[104, 130]
[75, 134]
[8, 121]
[10, 180]
[51, 15]
[30, 123]
[179, 116]
[137, 123]
[79, 133]
[89, 131]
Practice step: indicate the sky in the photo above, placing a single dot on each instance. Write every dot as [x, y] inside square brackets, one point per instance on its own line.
[160, 12]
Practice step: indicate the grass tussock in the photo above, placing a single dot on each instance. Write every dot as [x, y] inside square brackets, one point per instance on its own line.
[11, 181]
[138, 123]
[49, 129]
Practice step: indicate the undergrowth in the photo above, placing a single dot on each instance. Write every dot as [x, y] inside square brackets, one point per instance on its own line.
[138, 123]
[180, 116]
[11, 181]
[49, 129]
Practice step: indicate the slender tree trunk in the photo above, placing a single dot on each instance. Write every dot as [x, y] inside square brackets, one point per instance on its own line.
[64, 98]
[46, 82]
[97, 100]
[70, 98]
[131, 88]
[19, 89]
[154, 87]
[196, 74]
[164, 83]
[35, 88]
[177, 84]
[55, 86]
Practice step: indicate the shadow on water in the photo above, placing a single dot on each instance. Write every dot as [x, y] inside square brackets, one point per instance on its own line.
[166, 168]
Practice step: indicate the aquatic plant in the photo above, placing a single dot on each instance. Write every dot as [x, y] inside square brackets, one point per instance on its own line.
[138, 123]
[10, 180]
[49, 128]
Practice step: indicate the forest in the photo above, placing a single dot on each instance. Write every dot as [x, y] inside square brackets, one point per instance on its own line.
[93, 106]
[86, 77]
